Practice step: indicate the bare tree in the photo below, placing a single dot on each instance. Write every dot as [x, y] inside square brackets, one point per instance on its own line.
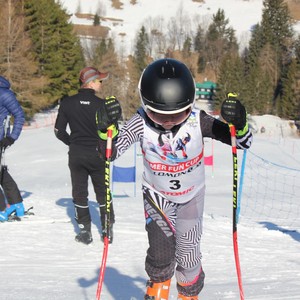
[101, 9]
[78, 10]
[179, 29]
[16, 60]
[157, 40]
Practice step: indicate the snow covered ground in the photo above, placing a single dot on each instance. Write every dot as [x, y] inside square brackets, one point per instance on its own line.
[41, 261]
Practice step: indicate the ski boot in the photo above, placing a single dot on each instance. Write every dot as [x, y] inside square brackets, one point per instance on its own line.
[18, 209]
[84, 236]
[111, 234]
[3, 216]
[181, 297]
[157, 290]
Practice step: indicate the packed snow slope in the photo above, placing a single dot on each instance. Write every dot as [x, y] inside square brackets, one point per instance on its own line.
[41, 261]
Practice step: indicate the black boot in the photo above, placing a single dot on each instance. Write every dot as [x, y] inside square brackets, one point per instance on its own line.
[84, 236]
[110, 235]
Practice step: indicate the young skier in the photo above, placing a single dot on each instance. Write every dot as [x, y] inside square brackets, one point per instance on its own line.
[170, 131]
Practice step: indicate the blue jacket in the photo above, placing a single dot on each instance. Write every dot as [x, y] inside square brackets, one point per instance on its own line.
[9, 105]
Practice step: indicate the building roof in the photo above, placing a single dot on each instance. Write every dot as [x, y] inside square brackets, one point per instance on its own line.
[206, 85]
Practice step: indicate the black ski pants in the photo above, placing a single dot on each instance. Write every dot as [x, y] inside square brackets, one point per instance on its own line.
[82, 166]
[9, 190]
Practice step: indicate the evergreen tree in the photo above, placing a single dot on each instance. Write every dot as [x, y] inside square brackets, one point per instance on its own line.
[255, 45]
[140, 52]
[220, 40]
[276, 24]
[230, 78]
[269, 53]
[297, 78]
[258, 91]
[96, 20]
[201, 63]
[277, 31]
[99, 51]
[199, 40]
[58, 51]
[187, 47]
[219, 30]
[289, 102]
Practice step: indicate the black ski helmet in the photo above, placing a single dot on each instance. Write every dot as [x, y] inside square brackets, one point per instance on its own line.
[167, 87]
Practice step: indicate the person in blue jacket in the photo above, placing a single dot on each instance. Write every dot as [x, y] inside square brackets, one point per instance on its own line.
[9, 106]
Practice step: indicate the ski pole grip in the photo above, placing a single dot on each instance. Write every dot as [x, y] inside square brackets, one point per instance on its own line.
[109, 142]
[233, 134]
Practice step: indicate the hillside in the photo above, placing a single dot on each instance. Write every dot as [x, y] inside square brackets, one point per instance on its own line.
[123, 23]
[121, 20]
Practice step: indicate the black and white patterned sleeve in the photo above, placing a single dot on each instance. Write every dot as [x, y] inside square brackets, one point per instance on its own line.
[132, 132]
[244, 141]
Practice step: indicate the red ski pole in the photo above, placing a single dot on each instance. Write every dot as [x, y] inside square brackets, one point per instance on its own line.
[235, 194]
[107, 215]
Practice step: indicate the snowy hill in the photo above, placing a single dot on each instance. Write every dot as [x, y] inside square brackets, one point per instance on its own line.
[124, 23]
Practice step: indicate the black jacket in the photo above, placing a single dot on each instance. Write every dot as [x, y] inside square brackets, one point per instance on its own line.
[79, 112]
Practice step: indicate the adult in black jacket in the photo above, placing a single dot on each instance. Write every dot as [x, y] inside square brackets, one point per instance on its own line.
[78, 112]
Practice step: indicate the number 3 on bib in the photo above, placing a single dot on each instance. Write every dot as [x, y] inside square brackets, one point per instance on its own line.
[175, 184]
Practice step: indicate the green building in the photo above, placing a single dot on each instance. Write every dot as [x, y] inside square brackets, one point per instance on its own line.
[205, 90]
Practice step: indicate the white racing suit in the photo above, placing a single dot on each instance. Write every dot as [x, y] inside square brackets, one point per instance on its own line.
[173, 192]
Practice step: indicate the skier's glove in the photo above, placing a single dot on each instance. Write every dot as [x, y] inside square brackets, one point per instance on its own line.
[103, 135]
[234, 112]
[6, 142]
[108, 114]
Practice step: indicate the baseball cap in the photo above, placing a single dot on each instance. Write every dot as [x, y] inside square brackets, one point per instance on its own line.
[89, 74]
